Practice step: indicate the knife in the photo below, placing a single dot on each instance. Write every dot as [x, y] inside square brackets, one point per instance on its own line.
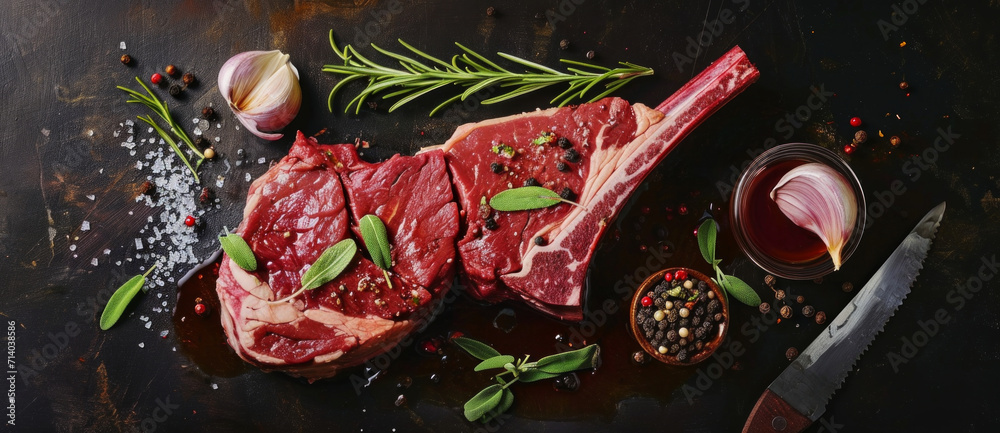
[799, 395]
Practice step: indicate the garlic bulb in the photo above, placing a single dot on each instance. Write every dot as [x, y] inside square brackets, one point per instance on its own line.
[819, 199]
[262, 89]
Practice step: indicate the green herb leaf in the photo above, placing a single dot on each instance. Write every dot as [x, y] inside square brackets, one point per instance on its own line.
[239, 251]
[373, 233]
[740, 290]
[483, 402]
[331, 263]
[470, 71]
[475, 348]
[495, 362]
[706, 240]
[121, 298]
[573, 360]
[505, 403]
[525, 198]
[534, 375]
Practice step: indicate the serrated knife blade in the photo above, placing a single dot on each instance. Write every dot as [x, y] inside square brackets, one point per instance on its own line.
[800, 393]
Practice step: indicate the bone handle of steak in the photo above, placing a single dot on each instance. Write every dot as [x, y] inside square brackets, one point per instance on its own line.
[569, 254]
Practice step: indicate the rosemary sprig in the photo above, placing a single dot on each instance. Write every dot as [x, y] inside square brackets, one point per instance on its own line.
[472, 71]
[160, 109]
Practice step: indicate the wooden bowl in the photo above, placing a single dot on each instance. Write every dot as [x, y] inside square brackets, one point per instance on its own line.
[710, 346]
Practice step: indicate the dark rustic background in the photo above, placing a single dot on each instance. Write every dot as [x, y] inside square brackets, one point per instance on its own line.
[59, 65]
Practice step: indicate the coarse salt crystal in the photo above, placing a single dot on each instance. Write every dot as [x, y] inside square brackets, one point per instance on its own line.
[149, 325]
[107, 252]
[93, 262]
[215, 386]
[141, 345]
[84, 226]
[72, 247]
[248, 177]
[45, 132]
[261, 160]
[122, 45]
[163, 333]
[138, 243]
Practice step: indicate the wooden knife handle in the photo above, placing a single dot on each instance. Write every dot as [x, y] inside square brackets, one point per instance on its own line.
[772, 414]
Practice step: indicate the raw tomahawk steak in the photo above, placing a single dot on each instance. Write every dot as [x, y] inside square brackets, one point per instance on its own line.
[595, 154]
[298, 209]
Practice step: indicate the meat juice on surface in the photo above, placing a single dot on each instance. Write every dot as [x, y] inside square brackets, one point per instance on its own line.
[769, 229]
[201, 337]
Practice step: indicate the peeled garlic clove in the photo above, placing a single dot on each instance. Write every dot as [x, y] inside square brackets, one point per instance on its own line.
[262, 89]
[819, 199]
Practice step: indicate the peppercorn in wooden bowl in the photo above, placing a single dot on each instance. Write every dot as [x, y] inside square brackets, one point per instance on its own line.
[679, 316]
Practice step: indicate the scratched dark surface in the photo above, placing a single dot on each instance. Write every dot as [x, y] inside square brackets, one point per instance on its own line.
[59, 65]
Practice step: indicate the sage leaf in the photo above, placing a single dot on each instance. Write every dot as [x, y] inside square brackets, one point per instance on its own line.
[534, 375]
[740, 290]
[483, 402]
[475, 348]
[706, 240]
[238, 251]
[505, 403]
[573, 360]
[376, 240]
[330, 264]
[525, 198]
[494, 362]
[121, 298]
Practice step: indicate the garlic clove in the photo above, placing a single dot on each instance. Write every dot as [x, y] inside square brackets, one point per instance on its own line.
[817, 198]
[262, 88]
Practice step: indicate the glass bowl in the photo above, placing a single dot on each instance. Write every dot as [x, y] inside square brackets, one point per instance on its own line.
[740, 215]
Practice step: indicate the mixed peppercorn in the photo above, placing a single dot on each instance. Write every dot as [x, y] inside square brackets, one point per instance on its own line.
[680, 316]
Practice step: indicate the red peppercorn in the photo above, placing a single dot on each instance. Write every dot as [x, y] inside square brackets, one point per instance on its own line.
[200, 309]
[156, 78]
[681, 275]
[683, 209]
[429, 346]
[668, 277]
[855, 122]
[695, 232]
[647, 301]
[849, 149]
[189, 221]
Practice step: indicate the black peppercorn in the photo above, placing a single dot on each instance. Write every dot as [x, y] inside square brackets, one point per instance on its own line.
[779, 295]
[201, 142]
[126, 59]
[894, 140]
[540, 241]
[490, 11]
[800, 299]
[808, 311]
[903, 85]
[207, 113]
[562, 166]
[786, 312]
[764, 308]
[564, 44]
[769, 280]
[860, 137]
[174, 90]
[531, 182]
[639, 357]
[496, 167]
[564, 143]
[590, 54]
[567, 194]
[491, 224]
[571, 155]
[188, 79]
[848, 286]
